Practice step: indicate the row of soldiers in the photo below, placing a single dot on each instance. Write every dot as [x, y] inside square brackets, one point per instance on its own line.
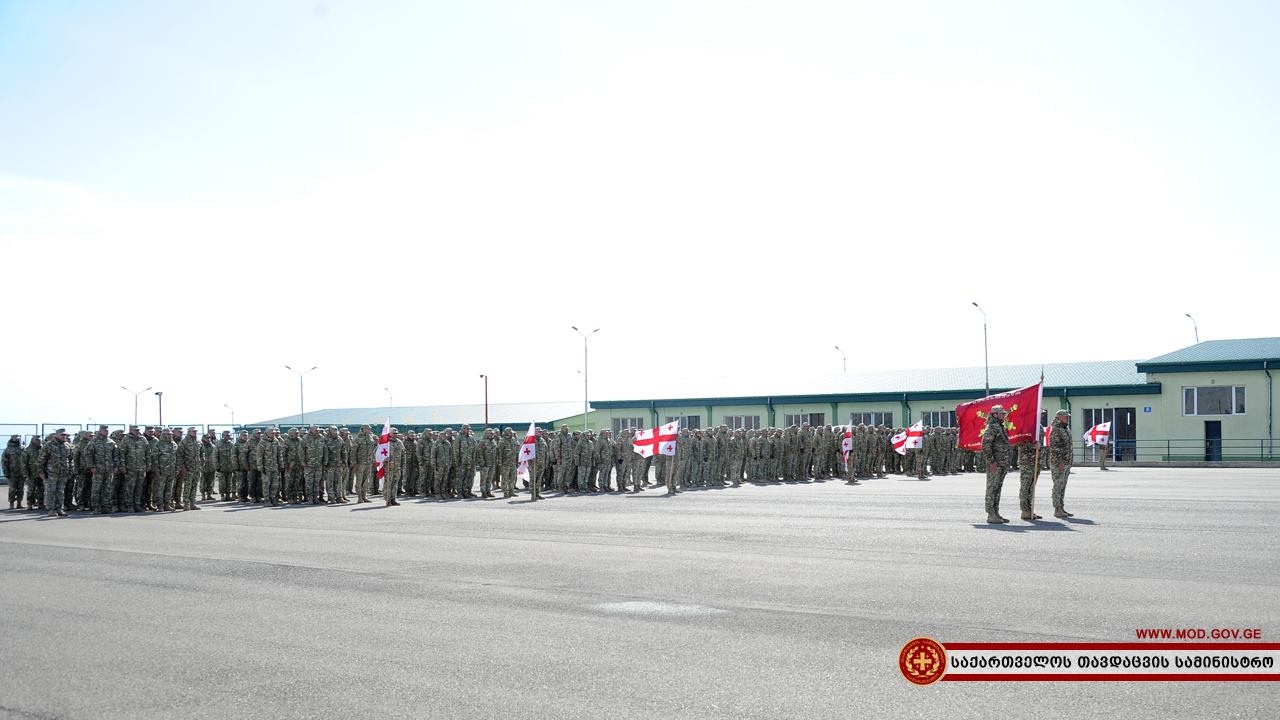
[155, 469]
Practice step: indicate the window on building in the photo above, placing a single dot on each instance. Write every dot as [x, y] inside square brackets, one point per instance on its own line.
[814, 419]
[742, 422]
[620, 424]
[693, 422]
[939, 418]
[871, 418]
[1213, 400]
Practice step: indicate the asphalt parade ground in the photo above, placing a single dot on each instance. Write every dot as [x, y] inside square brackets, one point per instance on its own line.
[778, 601]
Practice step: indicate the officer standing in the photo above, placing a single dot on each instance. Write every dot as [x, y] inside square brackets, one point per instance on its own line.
[55, 469]
[995, 455]
[1060, 455]
[15, 470]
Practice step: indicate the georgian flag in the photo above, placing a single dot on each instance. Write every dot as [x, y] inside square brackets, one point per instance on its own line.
[912, 437]
[658, 441]
[528, 451]
[1098, 434]
[383, 453]
[847, 443]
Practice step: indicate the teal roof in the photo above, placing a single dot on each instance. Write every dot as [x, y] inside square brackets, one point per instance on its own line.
[1241, 354]
[1115, 376]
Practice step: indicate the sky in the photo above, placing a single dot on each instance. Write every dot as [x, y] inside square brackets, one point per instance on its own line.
[408, 195]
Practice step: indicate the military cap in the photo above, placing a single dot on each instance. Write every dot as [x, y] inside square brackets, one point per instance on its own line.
[104, 427]
[333, 427]
[133, 427]
[1062, 412]
[60, 430]
[998, 409]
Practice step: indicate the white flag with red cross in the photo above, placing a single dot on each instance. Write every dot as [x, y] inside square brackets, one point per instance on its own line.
[912, 437]
[1099, 434]
[847, 443]
[1047, 432]
[658, 441]
[528, 451]
[383, 453]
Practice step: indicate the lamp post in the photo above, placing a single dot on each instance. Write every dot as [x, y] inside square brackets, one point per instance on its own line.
[391, 399]
[486, 399]
[585, 338]
[843, 358]
[302, 408]
[135, 400]
[160, 408]
[233, 414]
[986, 367]
[1196, 327]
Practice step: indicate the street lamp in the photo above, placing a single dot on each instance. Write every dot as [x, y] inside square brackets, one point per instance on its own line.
[136, 393]
[302, 408]
[391, 399]
[585, 338]
[844, 358]
[986, 367]
[1197, 328]
[233, 414]
[486, 399]
[160, 408]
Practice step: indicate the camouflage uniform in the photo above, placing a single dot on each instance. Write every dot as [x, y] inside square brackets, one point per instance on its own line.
[208, 466]
[271, 458]
[15, 470]
[252, 478]
[411, 485]
[189, 468]
[392, 468]
[508, 459]
[1026, 478]
[1060, 458]
[804, 452]
[335, 465]
[426, 465]
[228, 470]
[80, 486]
[604, 462]
[621, 465]
[583, 454]
[35, 483]
[486, 454]
[313, 464]
[242, 461]
[561, 449]
[294, 481]
[366, 443]
[442, 464]
[466, 461]
[54, 463]
[995, 456]
[135, 449]
[164, 454]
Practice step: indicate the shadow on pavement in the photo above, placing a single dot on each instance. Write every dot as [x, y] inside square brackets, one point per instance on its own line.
[1079, 521]
[1032, 527]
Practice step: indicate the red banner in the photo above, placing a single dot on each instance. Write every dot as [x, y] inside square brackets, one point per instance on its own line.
[1022, 405]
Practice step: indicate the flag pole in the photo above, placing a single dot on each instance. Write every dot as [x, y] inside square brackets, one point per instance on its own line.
[1035, 476]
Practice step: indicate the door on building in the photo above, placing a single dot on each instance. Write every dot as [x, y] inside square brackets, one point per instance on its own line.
[1124, 434]
[1124, 430]
[1212, 440]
